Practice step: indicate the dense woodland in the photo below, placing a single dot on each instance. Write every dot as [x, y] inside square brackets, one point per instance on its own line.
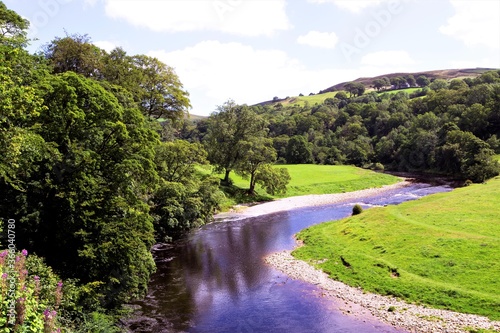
[98, 162]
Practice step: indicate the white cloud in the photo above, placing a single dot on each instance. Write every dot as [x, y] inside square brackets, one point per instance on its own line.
[387, 59]
[484, 63]
[105, 45]
[475, 23]
[248, 18]
[214, 72]
[355, 6]
[326, 40]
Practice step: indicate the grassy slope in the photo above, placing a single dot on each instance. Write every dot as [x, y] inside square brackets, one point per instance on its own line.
[442, 250]
[320, 98]
[393, 92]
[313, 99]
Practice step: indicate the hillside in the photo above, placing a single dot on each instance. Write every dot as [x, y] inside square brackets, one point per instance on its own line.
[446, 74]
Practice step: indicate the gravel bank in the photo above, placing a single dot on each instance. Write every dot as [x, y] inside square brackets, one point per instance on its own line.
[390, 310]
[308, 201]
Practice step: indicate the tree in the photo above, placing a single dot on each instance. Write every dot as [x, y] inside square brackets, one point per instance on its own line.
[355, 88]
[273, 180]
[84, 205]
[379, 84]
[161, 93]
[298, 150]
[410, 79]
[230, 130]
[458, 84]
[75, 53]
[423, 81]
[438, 84]
[176, 161]
[257, 153]
[13, 28]
[467, 156]
[341, 95]
[155, 86]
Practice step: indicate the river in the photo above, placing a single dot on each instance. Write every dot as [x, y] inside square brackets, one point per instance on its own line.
[215, 279]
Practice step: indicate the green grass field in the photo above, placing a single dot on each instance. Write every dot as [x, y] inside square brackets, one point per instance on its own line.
[314, 179]
[407, 90]
[497, 157]
[322, 179]
[442, 250]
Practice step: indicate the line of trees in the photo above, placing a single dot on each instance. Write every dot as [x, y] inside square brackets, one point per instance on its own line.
[87, 172]
[450, 128]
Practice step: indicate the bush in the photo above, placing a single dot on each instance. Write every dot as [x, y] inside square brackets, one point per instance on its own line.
[468, 182]
[357, 209]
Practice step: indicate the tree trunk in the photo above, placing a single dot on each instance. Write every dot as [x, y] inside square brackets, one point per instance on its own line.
[226, 177]
[251, 190]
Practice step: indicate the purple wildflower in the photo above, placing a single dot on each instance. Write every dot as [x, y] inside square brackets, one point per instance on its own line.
[24, 252]
[36, 278]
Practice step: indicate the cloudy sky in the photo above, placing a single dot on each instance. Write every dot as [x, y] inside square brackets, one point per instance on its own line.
[253, 50]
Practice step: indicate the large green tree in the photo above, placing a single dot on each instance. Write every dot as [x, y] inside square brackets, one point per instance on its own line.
[183, 200]
[155, 86]
[298, 150]
[230, 130]
[84, 206]
[258, 152]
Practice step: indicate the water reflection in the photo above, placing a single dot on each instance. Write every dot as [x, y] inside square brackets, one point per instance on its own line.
[216, 280]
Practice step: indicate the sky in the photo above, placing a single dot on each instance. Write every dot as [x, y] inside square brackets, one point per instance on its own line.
[253, 50]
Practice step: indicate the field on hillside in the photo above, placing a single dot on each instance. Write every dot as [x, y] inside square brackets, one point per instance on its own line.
[442, 250]
[407, 90]
[313, 99]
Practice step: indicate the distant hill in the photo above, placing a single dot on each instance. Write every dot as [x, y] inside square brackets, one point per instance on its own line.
[195, 117]
[446, 74]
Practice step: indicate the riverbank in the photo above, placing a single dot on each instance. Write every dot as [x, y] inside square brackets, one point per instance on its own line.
[312, 200]
[413, 318]
[433, 250]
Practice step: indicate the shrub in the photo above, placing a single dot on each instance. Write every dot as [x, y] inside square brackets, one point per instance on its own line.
[357, 209]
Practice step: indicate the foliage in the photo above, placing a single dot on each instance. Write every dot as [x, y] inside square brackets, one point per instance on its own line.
[357, 209]
[298, 150]
[154, 85]
[32, 298]
[434, 250]
[273, 180]
[258, 153]
[183, 201]
[85, 176]
[230, 130]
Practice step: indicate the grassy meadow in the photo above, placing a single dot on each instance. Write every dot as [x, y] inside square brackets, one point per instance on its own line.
[314, 179]
[442, 250]
[406, 90]
[313, 99]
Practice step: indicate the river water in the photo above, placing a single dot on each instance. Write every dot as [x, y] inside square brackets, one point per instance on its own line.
[215, 280]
